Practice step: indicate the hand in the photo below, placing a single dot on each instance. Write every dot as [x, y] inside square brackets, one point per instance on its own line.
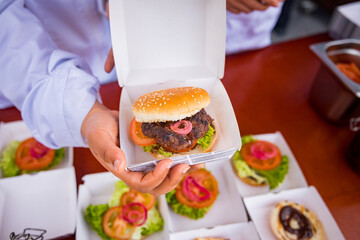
[100, 128]
[247, 6]
[109, 63]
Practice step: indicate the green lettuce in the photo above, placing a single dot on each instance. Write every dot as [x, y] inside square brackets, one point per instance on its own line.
[206, 140]
[156, 148]
[9, 167]
[273, 177]
[95, 213]
[179, 208]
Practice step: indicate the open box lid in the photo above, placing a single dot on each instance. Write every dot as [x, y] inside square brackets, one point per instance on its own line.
[41, 204]
[159, 40]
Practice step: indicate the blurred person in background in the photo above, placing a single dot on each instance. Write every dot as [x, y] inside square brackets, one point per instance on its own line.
[249, 23]
[52, 64]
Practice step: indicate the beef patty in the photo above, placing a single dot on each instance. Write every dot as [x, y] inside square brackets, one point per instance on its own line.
[177, 142]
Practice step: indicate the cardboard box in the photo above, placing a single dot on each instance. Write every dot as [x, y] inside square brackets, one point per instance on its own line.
[293, 179]
[161, 44]
[29, 203]
[45, 201]
[259, 208]
[98, 188]
[236, 231]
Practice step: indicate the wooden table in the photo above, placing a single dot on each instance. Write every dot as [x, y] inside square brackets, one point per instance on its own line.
[269, 90]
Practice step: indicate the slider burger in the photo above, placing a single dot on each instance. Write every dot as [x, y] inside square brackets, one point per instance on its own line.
[21, 157]
[260, 163]
[194, 195]
[291, 221]
[173, 122]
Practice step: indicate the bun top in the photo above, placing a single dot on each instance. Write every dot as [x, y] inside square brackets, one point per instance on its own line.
[171, 104]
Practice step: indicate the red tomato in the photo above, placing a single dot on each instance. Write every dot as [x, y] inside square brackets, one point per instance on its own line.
[115, 226]
[137, 136]
[133, 196]
[32, 155]
[264, 149]
[206, 180]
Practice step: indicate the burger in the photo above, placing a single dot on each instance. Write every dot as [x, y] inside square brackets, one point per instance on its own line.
[194, 195]
[172, 122]
[290, 220]
[128, 214]
[27, 156]
[260, 163]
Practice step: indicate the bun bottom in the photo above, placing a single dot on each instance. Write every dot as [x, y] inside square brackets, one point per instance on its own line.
[247, 180]
[281, 233]
[195, 150]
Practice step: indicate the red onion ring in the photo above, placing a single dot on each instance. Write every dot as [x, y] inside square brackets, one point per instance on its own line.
[189, 194]
[38, 150]
[260, 151]
[134, 216]
[184, 130]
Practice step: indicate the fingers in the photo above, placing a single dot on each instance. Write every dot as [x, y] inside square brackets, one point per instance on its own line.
[110, 62]
[237, 7]
[172, 179]
[247, 6]
[196, 167]
[146, 182]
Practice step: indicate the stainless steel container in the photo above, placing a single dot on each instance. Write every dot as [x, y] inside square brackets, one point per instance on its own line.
[333, 95]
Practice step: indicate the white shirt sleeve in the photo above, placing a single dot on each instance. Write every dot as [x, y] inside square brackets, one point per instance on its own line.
[53, 89]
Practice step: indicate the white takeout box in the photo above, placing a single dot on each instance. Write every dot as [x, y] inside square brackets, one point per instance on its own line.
[18, 131]
[293, 179]
[259, 208]
[97, 189]
[160, 44]
[236, 231]
[42, 205]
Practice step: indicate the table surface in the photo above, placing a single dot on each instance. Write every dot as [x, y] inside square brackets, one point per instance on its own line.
[269, 90]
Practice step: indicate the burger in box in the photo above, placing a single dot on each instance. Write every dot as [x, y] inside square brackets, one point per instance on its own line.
[172, 122]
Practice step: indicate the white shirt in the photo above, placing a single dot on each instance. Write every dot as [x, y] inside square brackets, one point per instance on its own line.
[52, 55]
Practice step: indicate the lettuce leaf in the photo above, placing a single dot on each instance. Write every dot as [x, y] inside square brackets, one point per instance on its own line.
[9, 167]
[94, 215]
[156, 148]
[120, 189]
[154, 223]
[273, 177]
[179, 208]
[277, 175]
[7, 162]
[206, 140]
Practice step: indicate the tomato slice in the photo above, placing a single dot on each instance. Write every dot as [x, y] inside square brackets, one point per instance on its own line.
[32, 155]
[133, 196]
[137, 136]
[261, 155]
[115, 226]
[206, 180]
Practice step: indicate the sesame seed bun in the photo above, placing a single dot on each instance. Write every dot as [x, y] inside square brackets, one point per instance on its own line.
[171, 104]
[281, 233]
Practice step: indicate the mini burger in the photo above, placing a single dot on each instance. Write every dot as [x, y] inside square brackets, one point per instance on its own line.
[20, 157]
[194, 195]
[260, 163]
[173, 122]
